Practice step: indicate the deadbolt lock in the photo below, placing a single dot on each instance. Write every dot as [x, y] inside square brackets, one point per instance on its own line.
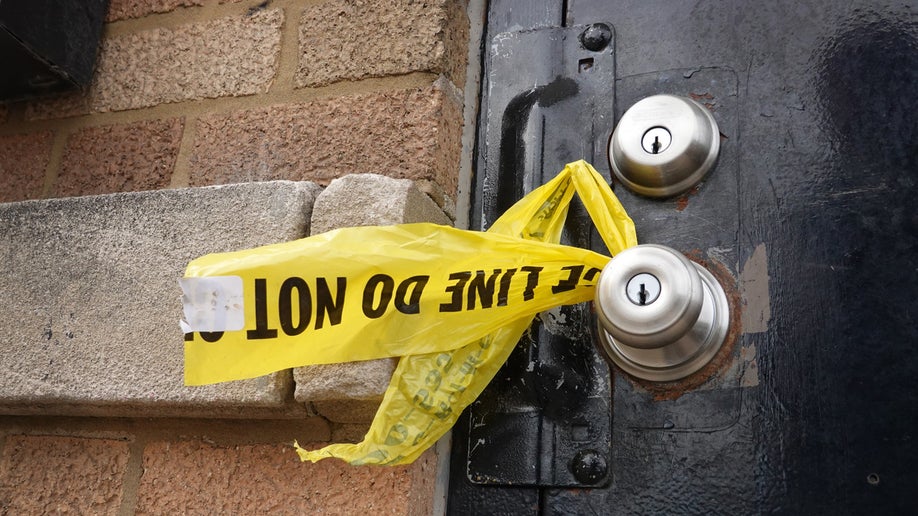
[663, 145]
[661, 316]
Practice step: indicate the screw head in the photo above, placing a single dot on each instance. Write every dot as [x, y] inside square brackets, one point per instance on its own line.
[589, 466]
[643, 289]
[596, 37]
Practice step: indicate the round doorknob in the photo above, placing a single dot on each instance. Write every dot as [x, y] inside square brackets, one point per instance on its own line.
[663, 145]
[661, 316]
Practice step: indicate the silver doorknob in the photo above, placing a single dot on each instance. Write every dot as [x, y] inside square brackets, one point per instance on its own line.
[661, 316]
[663, 145]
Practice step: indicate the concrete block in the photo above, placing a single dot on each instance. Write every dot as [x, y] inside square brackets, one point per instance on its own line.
[120, 158]
[225, 57]
[90, 325]
[406, 36]
[349, 433]
[62, 475]
[23, 160]
[353, 411]
[408, 134]
[350, 393]
[372, 200]
[236, 479]
[360, 381]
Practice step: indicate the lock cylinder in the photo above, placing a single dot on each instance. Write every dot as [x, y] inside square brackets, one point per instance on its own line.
[661, 316]
[663, 145]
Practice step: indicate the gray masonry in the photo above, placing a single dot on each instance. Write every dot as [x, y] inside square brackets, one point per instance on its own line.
[92, 303]
[350, 393]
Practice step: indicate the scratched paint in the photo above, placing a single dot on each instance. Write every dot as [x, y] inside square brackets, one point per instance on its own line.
[754, 291]
[750, 367]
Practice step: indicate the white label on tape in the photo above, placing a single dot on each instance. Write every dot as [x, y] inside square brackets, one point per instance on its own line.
[212, 303]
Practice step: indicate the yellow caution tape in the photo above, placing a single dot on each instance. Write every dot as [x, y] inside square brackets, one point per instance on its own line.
[451, 303]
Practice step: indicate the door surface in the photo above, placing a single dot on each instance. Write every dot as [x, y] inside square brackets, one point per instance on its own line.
[808, 219]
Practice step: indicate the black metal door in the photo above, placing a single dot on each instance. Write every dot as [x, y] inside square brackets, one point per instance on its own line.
[807, 220]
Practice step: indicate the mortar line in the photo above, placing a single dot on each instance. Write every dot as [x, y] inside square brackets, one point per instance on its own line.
[181, 169]
[59, 138]
[222, 105]
[183, 15]
[133, 471]
[288, 57]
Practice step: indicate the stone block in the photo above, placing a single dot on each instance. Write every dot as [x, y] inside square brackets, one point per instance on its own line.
[372, 200]
[91, 320]
[409, 134]
[62, 475]
[225, 57]
[350, 393]
[23, 160]
[353, 411]
[236, 478]
[349, 433]
[375, 38]
[366, 380]
[120, 158]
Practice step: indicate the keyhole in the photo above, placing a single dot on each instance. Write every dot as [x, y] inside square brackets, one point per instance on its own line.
[643, 289]
[656, 140]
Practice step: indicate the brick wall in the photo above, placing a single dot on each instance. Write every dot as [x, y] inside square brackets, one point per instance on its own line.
[201, 92]
[105, 466]
[191, 93]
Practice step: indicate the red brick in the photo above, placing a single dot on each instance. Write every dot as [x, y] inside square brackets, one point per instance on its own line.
[374, 38]
[411, 134]
[54, 475]
[223, 57]
[23, 160]
[124, 9]
[120, 158]
[193, 477]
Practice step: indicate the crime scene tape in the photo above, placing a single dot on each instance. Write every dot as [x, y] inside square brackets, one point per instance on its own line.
[451, 303]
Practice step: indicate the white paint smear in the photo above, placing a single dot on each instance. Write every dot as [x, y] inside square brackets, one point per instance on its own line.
[212, 303]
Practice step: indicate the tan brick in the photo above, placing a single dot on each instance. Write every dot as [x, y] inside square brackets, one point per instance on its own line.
[231, 56]
[270, 479]
[410, 134]
[372, 38]
[23, 160]
[124, 9]
[56, 475]
[120, 158]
